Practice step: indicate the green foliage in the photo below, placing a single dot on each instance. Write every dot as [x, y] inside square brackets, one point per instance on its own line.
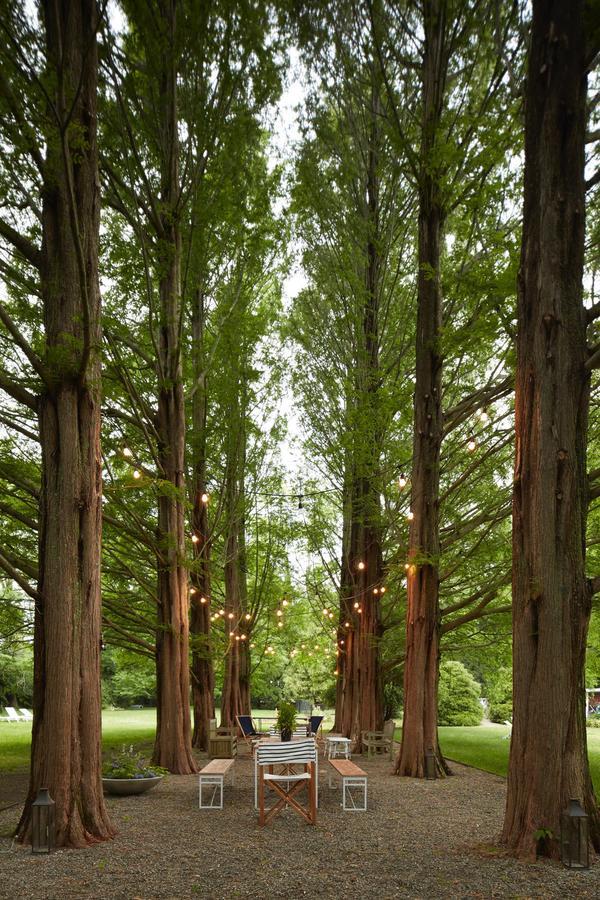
[499, 695]
[458, 695]
[16, 678]
[286, 716]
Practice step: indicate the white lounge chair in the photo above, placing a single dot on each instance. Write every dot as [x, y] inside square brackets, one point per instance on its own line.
[27, 714]
[13, 715]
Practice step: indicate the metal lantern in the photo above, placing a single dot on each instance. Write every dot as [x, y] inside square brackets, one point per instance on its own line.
[430, 765]
[42, 823]
[574, 837]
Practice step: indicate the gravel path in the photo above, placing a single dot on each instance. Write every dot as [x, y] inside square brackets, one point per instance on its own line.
[419, 839]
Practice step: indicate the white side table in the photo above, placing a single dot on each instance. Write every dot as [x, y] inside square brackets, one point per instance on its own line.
[338, 747]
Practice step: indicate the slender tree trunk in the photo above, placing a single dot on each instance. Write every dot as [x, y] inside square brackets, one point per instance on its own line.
[66, 739]
[421, 668]
[203, 679]
[173, 745]
[235, 699]
[551, 597]
[361, 693]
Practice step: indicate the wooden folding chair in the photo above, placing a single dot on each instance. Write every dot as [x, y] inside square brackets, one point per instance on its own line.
[287, 783]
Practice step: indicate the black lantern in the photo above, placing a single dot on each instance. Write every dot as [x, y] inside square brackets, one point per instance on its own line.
[430, 765]
[574, 837]
[42, 823]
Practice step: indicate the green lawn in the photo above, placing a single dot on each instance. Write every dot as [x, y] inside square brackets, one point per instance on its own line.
[483, 747]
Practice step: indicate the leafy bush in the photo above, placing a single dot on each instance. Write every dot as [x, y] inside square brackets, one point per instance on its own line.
[129, 764]
[593, 720]
[286, 716]
[458, 696]
[392, 700]
[500, 696]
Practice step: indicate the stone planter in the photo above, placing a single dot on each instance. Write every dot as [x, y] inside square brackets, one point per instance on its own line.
[128, 786]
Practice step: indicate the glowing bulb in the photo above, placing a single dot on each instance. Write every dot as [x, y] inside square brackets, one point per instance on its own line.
[192, 591]
[202, 599]
[410, 515]
[285, 602]
[231, 633]
[222, 613]
[484, 417]
[382, 590]
[347, 624]
[280, 624]
[237, 637]
[402, 482]
[279, 612]
[230, 615]
[375, 590]
[195, 539]
[342, 643]
[360, 609]
[310, 654]
[331, 615]
[356, 605]
[325, 612]
[336, 672]
[407, 566]
[127, 452]
[471, 444]
[269, 649]
[243, 637]
[304, 646]
[361, 566]
[137, 473]
[252, 646]
[205, 498]
[248, 616]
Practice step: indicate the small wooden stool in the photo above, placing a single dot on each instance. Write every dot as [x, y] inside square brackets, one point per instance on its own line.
[212, 775]
[352, 777]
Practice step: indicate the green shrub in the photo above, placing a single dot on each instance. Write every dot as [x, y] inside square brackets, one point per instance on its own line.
[593, 721]
[500, 695]
[458, 695]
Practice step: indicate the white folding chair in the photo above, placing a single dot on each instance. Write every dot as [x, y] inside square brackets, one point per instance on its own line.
[287, 783]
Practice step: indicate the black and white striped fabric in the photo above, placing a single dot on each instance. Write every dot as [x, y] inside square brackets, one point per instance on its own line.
[297, 733]
[286, 752]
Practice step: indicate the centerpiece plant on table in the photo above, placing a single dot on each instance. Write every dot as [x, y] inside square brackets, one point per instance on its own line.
[286, 720]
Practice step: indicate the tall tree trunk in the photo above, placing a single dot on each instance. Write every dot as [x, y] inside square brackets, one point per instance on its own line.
[66, 738]
[421, 668]
[203, 678]
[551, 597]
[235, 698]
[173, 744]
[360, 692]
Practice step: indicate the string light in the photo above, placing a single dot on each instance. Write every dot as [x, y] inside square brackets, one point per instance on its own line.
[284, 602]
[192, 591]
[347, 624]
[248, 616]
[279, 612]
[410, 515]
[127, 452]
[252, 646]
[402, 482]
[280, 624]
[202, 599]
[331, 615]
[231, 633]
[359, 609]
[325, 612]
[484, 416]
[471, 444]
[382, 590]
[195, 539]
[375, 590]
[204, 498]
[237, 637]
[137, 473]
[222, 612]
[230, 615]
[243, 637]
[361, 566]
[356, 605]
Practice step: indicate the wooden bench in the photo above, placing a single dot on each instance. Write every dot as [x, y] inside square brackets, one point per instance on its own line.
[352, 778]
[212, 775]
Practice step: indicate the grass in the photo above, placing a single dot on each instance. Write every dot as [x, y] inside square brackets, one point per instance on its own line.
[482, 746]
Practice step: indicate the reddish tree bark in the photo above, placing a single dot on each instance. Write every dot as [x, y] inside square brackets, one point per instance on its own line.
[551, 596]
[421, 668]
[66, 737]
[173, 744]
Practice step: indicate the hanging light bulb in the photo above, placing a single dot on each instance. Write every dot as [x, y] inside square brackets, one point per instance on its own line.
[342, 643]
[347, 624]
[279, 612]
[402, 482]
[248, 616]
[359, 610]
[285, 602]
[410, 515]
[356, 605]
[375, 590]
[484, 416]
[237, 637]
[231, 633]
[280, 624]
[192, 591]
[137, 473]
[252, 646]
[325, 612]
[205, 498]
[361, 566]
[269, 649]
[202, 599]
[195, 539]
[230, 615]
[382, 590]
[127, 452]
[471, 444]
[222, 613]
[243, 637]
[331, 615]
[304, 646]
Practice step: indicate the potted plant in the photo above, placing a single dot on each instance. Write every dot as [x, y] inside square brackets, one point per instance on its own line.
[286, 720]
[129, 773]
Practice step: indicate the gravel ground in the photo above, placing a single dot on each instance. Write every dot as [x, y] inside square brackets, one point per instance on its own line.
[418, 839]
